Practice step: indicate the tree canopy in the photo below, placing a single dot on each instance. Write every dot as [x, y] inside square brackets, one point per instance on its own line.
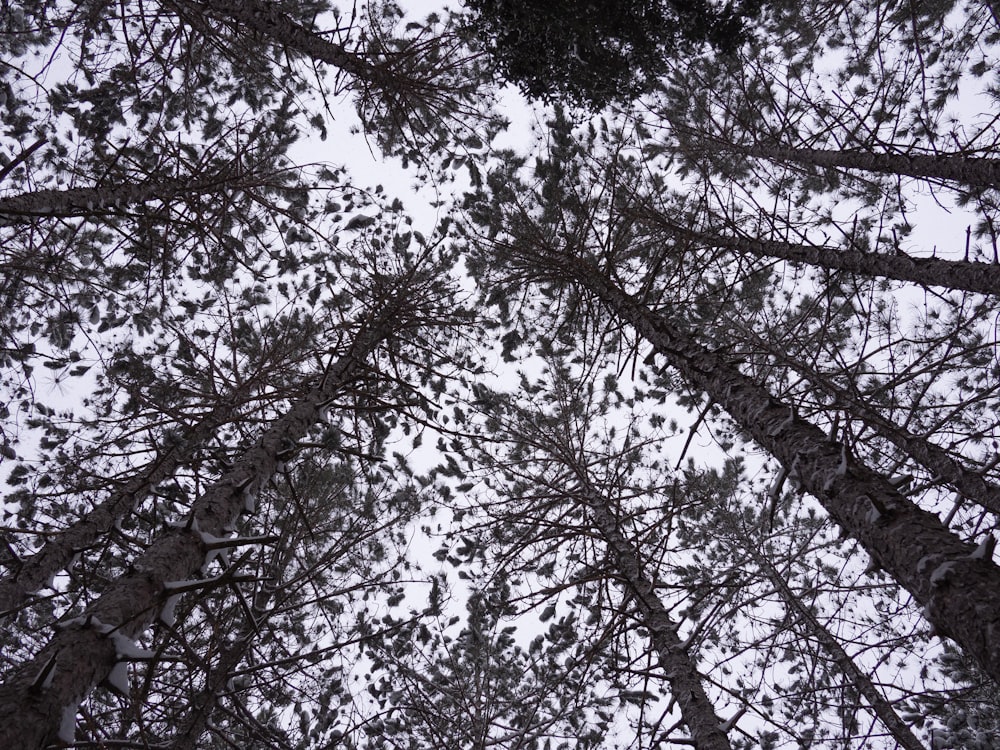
[595, 53]
[670, 425]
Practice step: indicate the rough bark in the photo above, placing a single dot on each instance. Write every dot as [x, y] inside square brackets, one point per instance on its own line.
[983, 278]
[37, 571]
[971, 484]
[967, 170]
[84, 651]
[681, 671]
[859, 680]
[957, 583]
[93, 201]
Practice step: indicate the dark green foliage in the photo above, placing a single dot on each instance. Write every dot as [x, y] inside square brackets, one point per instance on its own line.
[597, 52]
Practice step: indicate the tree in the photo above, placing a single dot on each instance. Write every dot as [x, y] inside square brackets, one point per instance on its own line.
[35, 572]
[596, 53]
[983, 278]
[892, 529]
[579, 213]
[41, 699]
[746, 540]
[559, 441]
[871, 131]
[964, 168]
[562, 437]
[478, 687]
[156, 239]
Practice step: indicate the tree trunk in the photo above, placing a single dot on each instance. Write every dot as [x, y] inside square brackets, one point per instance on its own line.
[37, 571]
[957, 584]
[93, 201]
[681, 672]
[859, 680]
[967, 170]
[39, 701]
[983, 278]
[971, 484]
